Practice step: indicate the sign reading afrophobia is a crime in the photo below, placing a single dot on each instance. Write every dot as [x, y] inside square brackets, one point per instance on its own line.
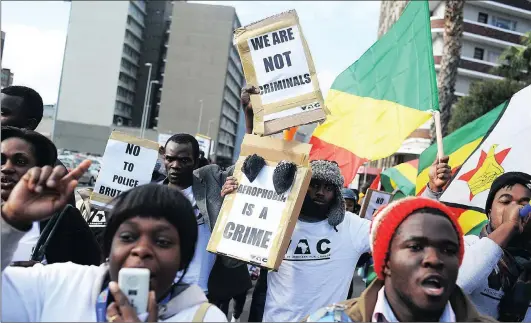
[255, 223]
[255, 218]
[128, 162]
[276, 59]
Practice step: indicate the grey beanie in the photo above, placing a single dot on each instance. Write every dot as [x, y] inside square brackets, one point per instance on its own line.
[329, 172]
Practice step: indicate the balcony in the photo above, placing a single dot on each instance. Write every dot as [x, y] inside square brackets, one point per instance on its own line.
[473, 67]
[126, 85]
[487, 33]
[518, 8]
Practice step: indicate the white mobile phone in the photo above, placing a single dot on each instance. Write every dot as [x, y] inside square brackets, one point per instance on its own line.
[134, 283]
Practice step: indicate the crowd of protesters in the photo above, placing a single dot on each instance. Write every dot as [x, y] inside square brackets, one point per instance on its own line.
[56, 268]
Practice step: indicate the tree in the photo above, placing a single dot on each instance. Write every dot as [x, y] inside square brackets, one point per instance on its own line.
[483, 96]
[515, 66]
[452, 39]
[515, 62]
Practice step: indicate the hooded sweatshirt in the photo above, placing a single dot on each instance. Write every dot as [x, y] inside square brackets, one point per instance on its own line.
[67, 292]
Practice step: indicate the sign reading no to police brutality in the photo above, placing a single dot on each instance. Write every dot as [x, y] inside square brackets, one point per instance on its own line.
[280, 65]
[128, 162]
[254, 221]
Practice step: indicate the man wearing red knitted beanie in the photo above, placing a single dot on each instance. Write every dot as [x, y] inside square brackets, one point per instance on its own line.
[417, 247]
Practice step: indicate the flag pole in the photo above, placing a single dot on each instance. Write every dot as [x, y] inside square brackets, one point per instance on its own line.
[438, 134]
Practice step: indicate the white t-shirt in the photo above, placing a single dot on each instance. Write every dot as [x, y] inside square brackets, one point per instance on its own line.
[317, 269]
[27, 243]
[203, 261]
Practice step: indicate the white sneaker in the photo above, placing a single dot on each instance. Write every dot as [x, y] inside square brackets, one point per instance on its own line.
[235, 319]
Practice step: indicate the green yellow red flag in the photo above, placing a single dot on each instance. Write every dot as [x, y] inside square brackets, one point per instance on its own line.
[385, 95]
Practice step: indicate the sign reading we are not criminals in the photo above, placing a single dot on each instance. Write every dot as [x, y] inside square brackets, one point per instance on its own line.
[280, 64]
[128, 162]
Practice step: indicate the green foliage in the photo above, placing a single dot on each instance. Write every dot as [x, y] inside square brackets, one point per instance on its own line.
[483, 96]
[515, 62]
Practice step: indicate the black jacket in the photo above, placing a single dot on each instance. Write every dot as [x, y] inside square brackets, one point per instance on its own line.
[72, 241]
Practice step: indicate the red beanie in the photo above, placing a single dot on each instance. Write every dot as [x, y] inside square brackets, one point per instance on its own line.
[388, 218]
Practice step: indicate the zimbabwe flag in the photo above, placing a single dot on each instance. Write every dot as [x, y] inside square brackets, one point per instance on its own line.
[459, 145]
[385, 95]
[504, 148]
[402, 177]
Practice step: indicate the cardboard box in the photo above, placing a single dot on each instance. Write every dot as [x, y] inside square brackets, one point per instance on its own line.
[276, 59]
[255, 223]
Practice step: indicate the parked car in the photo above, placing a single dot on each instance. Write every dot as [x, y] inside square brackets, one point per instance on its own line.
[90, 176]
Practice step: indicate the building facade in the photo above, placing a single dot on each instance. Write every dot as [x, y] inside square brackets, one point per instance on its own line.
[489, 28]
[105, 74]
[202, 77]
[7, 77]
[99, 77]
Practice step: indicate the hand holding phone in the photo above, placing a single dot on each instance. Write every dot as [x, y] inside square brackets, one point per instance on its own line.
[134, 283]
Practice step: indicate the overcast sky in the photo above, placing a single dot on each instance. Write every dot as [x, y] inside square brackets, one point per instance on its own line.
[338, 33]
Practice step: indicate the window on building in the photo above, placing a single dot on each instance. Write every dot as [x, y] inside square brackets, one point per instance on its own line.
[493, 56]
[478, 53]
[504, 23]
[483, 18]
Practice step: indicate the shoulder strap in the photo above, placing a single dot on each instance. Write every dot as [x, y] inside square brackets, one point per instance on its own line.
[201, 312]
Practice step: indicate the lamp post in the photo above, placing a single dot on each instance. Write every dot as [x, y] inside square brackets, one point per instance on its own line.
[146, 108]
[146, 94]
[209, 124]
[200, 116]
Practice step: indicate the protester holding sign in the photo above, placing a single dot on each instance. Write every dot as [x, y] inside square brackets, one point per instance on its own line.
[325, 247]
[143, 233]
[417, 245]
[202, 187]
[72, 239]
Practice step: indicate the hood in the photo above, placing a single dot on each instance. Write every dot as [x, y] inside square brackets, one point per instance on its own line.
[329, 172]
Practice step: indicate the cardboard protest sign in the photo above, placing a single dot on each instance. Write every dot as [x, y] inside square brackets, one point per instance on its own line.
[163, 138]
[204, 144]
[276, 59]
[128, 162]
[256, 223]
[372, 201]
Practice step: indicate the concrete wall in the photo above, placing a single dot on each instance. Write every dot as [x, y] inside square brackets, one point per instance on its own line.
[92, 62]
[196, 67]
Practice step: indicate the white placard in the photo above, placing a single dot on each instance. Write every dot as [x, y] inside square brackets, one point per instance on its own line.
[125, 165]
[255, 219]
[163, 138]
[280, 64]
[373, 201]
[204, 144]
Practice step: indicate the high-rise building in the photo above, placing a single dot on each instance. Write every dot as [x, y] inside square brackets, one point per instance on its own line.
[2, 44]
[100, 67]
[111, 48]
[7, 75]
[489, 28]
[202, 77]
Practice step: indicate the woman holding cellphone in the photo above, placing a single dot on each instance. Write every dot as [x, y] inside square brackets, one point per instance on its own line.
[151, 226]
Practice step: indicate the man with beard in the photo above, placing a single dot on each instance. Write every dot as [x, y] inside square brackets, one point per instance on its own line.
[325, 246]
[22, 107]
[417, 246]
